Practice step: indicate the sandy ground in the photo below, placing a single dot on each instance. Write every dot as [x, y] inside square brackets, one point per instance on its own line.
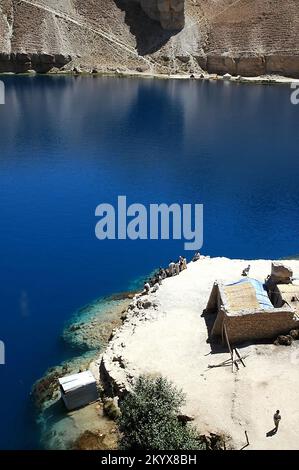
[174, 344]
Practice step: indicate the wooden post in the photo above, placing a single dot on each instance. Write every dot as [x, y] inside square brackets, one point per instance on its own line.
[227, 340]
[229, 347]
[239, 356]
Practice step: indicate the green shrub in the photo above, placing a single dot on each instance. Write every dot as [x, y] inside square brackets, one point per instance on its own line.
[111, 409]
[149, 418]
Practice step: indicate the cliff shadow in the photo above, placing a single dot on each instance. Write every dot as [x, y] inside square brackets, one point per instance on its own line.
[149, 34]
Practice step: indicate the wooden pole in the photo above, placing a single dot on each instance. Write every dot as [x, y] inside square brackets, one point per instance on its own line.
[227, 340]
[222, 339]
[229, 347]
[239, 356]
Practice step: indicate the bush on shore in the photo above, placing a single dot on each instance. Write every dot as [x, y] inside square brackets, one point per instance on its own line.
[149, 418]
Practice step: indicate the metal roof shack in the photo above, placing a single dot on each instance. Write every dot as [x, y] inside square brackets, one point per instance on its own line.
[78, 390]
[245, 311]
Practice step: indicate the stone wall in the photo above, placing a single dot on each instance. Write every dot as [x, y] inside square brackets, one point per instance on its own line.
[23, 62]
[248, 66]
[260, 325]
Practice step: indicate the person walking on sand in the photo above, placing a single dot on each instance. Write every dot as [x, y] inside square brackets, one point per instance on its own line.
[277, 419]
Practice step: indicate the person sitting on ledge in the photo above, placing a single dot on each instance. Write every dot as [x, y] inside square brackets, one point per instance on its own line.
[172, 268]
[146, 288]
[245, 271]
[156, 279]
[155, 288]
[162, 273]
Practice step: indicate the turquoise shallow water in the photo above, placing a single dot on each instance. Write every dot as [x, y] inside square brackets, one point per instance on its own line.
[69, 144]
[87, 333]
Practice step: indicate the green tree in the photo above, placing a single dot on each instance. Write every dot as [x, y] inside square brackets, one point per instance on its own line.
[149, 418]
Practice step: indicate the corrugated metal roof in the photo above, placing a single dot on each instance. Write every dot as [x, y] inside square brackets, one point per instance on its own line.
[74, 381]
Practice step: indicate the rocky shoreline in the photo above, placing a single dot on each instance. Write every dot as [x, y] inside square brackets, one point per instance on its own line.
[87, 334]
[92, 332]
[123, 73]
[115, 373]
[246, 68]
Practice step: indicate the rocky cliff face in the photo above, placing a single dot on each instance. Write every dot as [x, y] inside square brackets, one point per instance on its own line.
[248, 37]
[170, 13]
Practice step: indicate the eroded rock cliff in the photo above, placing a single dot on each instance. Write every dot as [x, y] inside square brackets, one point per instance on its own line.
[246, 37]
[170, 13]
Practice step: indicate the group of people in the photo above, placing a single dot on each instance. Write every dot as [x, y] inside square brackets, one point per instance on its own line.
[173, 269]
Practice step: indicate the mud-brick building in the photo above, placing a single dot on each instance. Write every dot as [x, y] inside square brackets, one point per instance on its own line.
[246, 312]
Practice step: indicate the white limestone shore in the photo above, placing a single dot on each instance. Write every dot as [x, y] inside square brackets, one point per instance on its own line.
[170, 338]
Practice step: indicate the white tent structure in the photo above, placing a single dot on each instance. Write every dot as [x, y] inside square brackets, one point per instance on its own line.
[78, 389]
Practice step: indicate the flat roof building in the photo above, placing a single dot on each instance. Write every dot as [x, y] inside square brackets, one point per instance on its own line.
[78, 389]
[245, 310]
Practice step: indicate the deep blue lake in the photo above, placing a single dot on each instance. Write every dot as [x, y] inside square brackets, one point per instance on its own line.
[69, 144]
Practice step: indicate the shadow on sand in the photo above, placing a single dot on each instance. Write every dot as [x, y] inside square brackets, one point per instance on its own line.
[216, 346]
[271, 433]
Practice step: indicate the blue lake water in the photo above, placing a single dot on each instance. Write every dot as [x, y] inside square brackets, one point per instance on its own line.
[69, 144]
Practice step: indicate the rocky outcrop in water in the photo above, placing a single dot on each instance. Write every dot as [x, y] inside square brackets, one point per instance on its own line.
[162, 36]
[89, 427]
[97, 440]
[90, 335]
[46, 389]
[89, 332]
